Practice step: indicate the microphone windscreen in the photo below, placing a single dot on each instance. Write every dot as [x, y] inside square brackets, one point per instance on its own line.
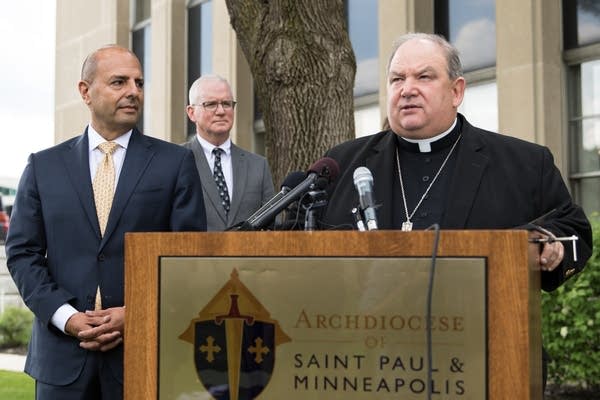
[362, 174]
[326, 167]
[293, 179]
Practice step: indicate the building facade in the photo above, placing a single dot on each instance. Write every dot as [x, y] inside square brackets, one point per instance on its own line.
[532, 67]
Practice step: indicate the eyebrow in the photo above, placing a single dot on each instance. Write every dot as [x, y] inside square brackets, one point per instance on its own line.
[426, 69]
[125, 77]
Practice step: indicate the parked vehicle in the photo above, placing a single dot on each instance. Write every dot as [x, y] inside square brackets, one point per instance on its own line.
[4, 222]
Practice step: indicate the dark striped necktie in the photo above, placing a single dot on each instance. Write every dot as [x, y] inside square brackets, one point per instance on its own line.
[220, 179]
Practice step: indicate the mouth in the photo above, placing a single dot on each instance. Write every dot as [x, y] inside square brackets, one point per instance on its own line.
[408, 107]
[129, 107]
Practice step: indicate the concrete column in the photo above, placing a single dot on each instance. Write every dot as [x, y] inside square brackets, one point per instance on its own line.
[529, 72]
[105, 22]
[168, 80]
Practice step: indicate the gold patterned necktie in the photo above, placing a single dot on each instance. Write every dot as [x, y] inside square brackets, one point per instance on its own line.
[104, 190]
[104, 183]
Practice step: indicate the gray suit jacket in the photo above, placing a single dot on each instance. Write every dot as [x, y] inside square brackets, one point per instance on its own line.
[252, 186]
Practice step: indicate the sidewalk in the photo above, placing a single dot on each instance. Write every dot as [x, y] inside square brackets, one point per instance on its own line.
[12, 362]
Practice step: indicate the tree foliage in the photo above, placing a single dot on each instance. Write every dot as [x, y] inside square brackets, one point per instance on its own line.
[15, 327]
[571, 325]
[303, 67]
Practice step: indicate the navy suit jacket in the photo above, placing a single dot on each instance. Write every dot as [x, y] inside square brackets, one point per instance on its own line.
[499, 182]
[252, 186]
[55, 252]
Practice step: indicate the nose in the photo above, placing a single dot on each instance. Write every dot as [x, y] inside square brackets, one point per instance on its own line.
[134, 88]
[408, 88]
[220, 109]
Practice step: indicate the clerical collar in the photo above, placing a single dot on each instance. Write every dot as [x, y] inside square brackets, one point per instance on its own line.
[438, 142]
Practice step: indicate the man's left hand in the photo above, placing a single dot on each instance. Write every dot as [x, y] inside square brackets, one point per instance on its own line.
[552, 252]
[107, 332]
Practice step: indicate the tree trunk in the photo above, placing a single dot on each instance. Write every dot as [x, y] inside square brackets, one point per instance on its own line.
[303, 66]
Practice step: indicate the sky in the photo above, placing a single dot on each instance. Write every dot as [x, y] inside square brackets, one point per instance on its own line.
[27, 43]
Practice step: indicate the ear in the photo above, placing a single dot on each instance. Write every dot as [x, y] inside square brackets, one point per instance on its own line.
[84, 89]
[190, 113]
[458, 91]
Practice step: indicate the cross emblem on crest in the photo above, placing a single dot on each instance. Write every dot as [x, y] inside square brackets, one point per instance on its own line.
[259, 350]
[210, 349]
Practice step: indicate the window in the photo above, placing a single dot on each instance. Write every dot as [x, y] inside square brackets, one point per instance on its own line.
[584, 134]
[581, 22]
[480, 105]
[581, 40]
[140, 41]
[199, 45]
[363, 30]
[366, 120]
[470, 25]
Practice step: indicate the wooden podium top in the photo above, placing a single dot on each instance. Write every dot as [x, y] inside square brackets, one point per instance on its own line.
[513, 288]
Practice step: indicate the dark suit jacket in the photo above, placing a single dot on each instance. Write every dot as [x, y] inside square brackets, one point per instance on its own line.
[498, 182]
[55, 253]
[252, 186]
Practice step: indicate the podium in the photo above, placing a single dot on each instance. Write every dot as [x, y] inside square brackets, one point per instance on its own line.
[511, 306]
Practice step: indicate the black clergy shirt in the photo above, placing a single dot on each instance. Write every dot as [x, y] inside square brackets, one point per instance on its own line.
[418, 170]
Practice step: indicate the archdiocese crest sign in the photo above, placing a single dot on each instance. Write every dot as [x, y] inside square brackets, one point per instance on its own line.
[234, 342]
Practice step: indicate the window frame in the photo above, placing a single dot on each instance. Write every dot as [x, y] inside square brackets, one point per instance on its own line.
[575, 57]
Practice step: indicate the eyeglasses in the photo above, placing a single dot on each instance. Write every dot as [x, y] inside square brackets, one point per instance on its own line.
[212, 105]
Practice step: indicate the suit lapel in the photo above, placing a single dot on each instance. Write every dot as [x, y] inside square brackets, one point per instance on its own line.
[464, 185]
[77, 164]
[240, 172]
[207, 180]
[138, 156]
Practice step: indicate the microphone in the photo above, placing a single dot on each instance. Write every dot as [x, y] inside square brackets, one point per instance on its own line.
[363, 180]
[318, 176]
[290, 182]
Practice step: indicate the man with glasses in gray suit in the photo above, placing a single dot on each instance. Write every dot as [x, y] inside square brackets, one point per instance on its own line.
[235, 182]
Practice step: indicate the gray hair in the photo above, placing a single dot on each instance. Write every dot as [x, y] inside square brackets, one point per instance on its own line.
[454, 65]
[195, 88]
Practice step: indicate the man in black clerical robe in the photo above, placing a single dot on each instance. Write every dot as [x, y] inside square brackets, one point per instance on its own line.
[432, 166]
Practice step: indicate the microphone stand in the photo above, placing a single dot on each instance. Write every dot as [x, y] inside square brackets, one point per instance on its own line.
[318, 199]
[358, 219]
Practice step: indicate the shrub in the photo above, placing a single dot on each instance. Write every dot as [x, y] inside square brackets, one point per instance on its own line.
[571, 324]
[15, 327]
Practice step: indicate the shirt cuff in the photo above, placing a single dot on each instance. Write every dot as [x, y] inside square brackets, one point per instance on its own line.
[62, 315]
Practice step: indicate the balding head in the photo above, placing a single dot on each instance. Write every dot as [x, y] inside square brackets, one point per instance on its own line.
[112, 86]
[90, 64]
[454, 66]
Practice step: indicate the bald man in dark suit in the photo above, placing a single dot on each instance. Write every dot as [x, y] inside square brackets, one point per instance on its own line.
[66, 255]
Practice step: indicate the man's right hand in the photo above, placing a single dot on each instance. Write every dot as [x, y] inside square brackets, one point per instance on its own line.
[98, 333]
[78, 322]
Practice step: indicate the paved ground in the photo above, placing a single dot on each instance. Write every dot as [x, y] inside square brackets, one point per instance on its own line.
[12, 362]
